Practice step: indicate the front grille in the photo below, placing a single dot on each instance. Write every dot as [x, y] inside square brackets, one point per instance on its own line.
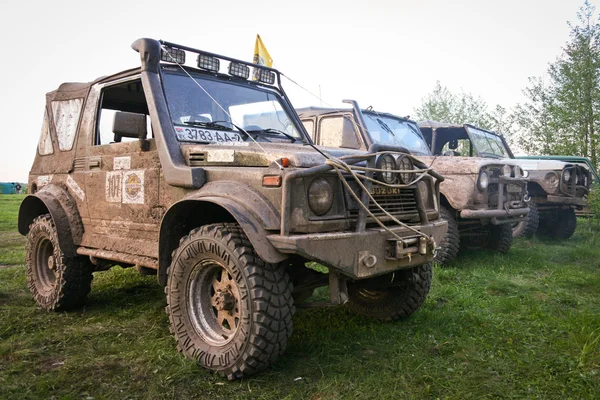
[197, 159]
[398, 205]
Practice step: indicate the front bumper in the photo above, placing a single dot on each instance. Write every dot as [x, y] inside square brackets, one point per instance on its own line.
[574, 201]
[498, 217]
[364, 254]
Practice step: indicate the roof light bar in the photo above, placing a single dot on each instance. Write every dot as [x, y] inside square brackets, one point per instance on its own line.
[172, 55]
[239, 70]
[264, 76]
[208, 63]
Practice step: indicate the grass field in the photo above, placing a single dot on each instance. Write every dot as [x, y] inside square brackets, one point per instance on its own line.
[521, 325]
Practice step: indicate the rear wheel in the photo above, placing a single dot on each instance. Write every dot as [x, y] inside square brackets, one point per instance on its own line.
[450, 244]
[228, 309]
[500, 238]
[566, 223]
[56, 282]
[391, 296]
[529, 227]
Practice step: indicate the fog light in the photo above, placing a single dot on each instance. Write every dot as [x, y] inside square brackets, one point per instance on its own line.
[387, 163]
[208, 63]
[264, 76]
[170, 54]
[406, 164]
[239, 70]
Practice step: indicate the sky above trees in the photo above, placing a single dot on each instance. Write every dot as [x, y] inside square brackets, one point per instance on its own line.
[381, 53]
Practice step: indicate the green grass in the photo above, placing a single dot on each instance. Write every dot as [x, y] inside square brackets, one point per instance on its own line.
[11, 243]
[525, 324]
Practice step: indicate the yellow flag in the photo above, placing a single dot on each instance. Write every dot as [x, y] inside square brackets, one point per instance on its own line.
[261, 55]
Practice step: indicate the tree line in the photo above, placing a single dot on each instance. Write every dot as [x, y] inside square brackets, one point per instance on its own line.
[561, 111]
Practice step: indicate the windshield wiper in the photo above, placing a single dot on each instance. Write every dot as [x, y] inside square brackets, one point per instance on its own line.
[386, 127]
[211, 124]
[272, 130]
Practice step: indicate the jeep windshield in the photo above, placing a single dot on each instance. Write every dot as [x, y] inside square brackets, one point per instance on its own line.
[487, 144]
[212, 110]
[385, 129]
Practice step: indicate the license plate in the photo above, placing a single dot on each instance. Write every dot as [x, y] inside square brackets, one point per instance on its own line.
[513, 188]
[382, 190]
[199, 135]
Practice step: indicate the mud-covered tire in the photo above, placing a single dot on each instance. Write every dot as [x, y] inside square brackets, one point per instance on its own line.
[407, 295]
[228, 309]
[500, 238]
[529, 227]
[448, 247]
[56, 282]
[566, 223]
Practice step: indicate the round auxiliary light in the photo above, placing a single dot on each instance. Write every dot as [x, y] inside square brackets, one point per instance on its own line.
[518, 172]
[406, 164]
[320, 196]
[507, 170]
[552, 179]
[567, 175]
[483, 181]
[387, 163]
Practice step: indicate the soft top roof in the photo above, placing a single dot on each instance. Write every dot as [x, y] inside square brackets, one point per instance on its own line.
[75, 90]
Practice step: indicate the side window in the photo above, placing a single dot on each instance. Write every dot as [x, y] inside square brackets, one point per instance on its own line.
[65, 114]
[309, 125]
[45, 144]
[338, 132]
[461, 146]
[124, 97]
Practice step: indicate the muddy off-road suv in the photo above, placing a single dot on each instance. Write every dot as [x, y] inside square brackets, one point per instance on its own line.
[557, 188]
[480, 198]
[208, 179]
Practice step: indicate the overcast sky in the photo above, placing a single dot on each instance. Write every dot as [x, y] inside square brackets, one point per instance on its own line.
[388, 54]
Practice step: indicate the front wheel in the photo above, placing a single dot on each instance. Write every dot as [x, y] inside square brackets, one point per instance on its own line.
[529, 227]
[391, 296]
[450, 243]
[228, 309]
[500, 238]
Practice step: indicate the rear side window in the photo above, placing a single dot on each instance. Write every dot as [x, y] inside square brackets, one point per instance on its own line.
[66, 117]
[45, 144]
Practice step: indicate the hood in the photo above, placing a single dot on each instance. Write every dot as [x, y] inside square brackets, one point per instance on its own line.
[540, 165]
[457, 165]
[250, 154]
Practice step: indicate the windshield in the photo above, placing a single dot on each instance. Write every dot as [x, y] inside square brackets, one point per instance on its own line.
[385, 129]
[487, 144]
[218, 115]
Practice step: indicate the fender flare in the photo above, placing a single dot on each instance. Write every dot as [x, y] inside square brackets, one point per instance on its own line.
[56, 201]
[250, 209]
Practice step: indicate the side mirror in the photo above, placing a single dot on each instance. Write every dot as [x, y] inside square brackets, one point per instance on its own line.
[453, 144]
[130, 125]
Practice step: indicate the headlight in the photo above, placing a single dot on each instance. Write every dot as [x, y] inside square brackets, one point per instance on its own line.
[483, 181]
[567, 175]
[320, 196]
[387, 163]
[552, 179]
[525, 173]
[507, 171]
[405, 163]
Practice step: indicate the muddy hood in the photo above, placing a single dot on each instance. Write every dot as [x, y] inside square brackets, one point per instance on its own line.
[461, 165]
[253, 155]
